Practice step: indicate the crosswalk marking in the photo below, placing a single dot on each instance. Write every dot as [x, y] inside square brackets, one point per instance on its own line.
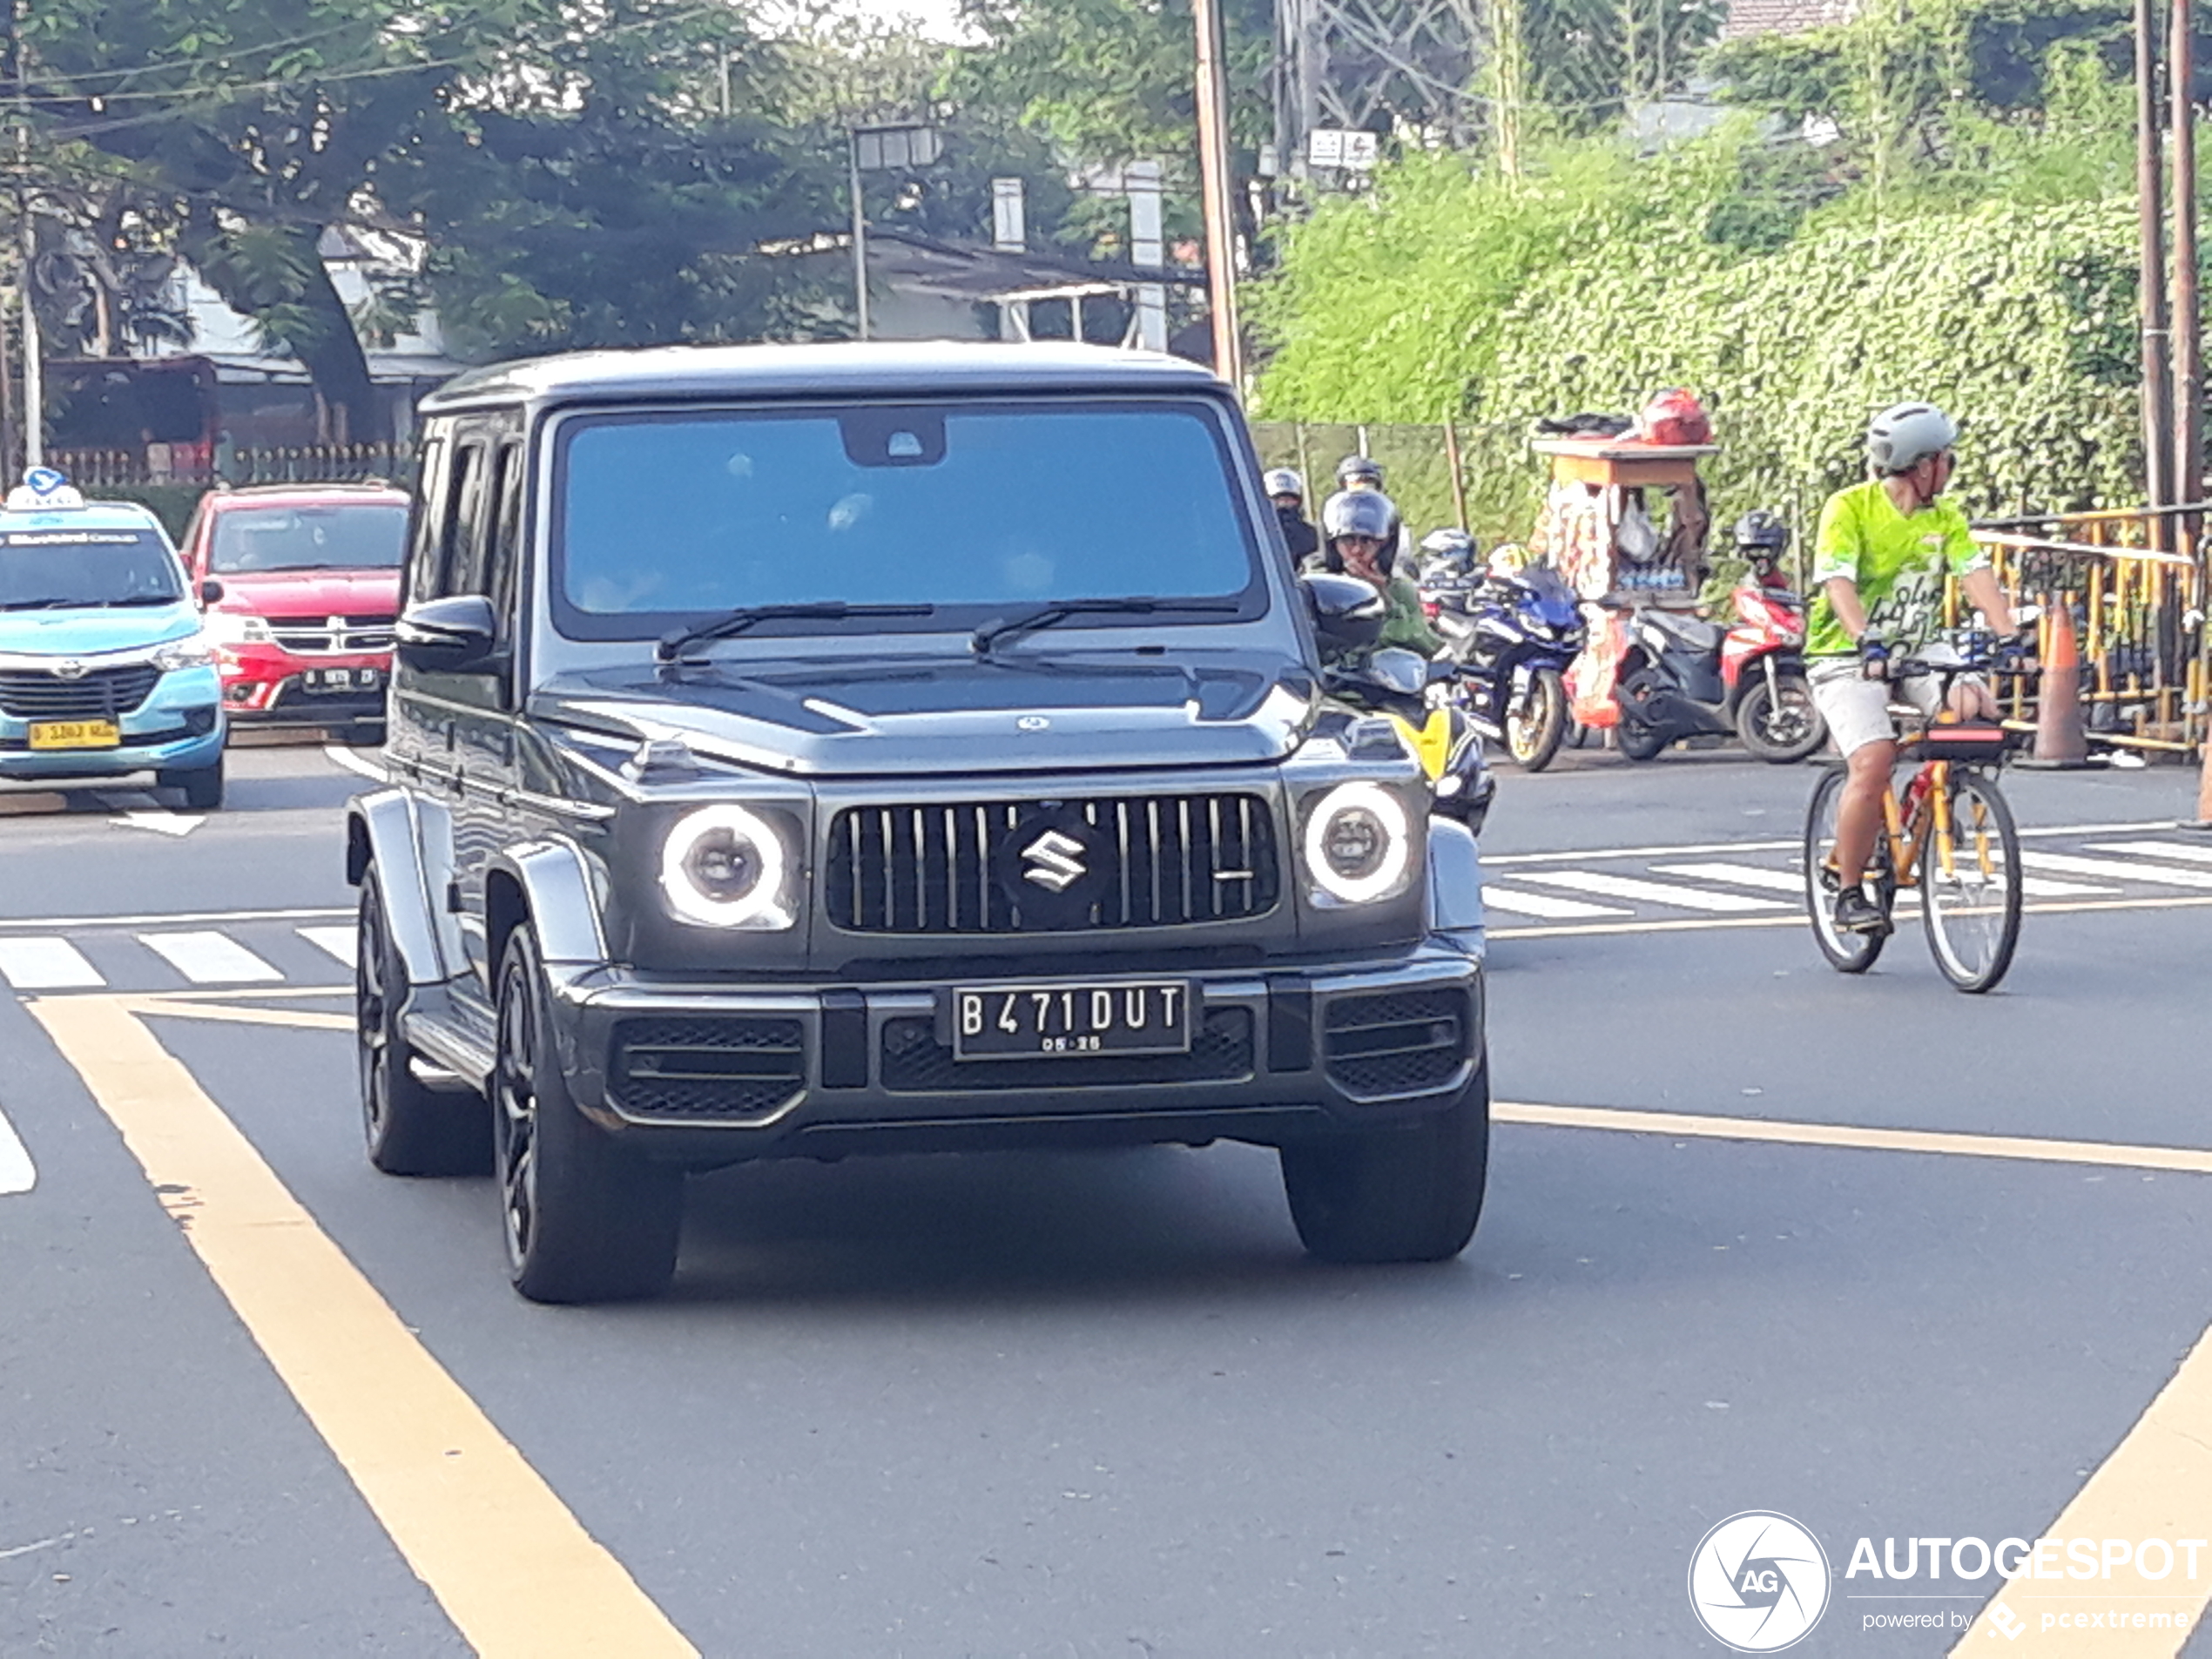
[2041, 886]
[1622, 887]
[1547, 905]
[37, 964]
[1741, 876]
[17, 1174]
[209, 958]
[2113, 869]
[2187, 852]
[339, 942]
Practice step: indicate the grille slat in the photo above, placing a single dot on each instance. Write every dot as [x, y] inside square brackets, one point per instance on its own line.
[707, 1067]
[1397, 1042]
[1152, 861]
[100, 694]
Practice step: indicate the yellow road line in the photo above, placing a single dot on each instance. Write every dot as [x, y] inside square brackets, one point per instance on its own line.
[1698, 924]
[512, 1567]
[1687, 1125]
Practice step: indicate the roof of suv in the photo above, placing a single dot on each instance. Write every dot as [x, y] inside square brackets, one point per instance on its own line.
[913, 369]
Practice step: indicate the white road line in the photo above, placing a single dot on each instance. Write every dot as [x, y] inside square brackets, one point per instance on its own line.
[1741, 876]
[46, 964]
[17, 1174]
[2189, 852]
[179, 824]
[1622, 887]
[2041, 886]
[339, 942]
[1738, 849]
[339, 755]
[2113, 869]
[1544, 904]
[46, 924]
[209, 958]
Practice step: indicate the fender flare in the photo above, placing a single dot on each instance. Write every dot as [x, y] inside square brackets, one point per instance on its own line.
[1455, 887]
[545, 882]
[381, 829]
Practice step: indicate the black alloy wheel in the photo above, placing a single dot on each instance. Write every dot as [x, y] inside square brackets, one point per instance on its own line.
[411, 1129]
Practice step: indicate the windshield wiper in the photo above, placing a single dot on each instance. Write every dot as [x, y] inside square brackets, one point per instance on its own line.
[672, 646]
[49, 604]
[1045, 616]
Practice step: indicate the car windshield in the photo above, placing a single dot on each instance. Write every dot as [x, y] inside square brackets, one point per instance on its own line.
[59, 570]
[354, 536]
[670, 518]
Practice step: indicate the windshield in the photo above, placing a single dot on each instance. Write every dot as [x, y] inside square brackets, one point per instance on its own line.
[676, 517]
[358, 536]
[57, 570]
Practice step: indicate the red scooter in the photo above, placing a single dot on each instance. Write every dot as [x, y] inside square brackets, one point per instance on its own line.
[1668, 677]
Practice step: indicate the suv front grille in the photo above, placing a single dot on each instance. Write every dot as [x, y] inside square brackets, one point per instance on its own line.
[332, 635]
[1146, 861]
[102, 694]
[706, 1068]
[916, 1062]
[1397, 1042]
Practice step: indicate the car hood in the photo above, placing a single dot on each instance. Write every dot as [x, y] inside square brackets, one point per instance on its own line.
[312, 593]
[93, 632]
[946, 717]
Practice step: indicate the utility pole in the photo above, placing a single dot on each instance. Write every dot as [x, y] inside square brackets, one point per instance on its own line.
[1147, 251]
[859, 232]
[34, 389]
[1213, 179]
[2189, 336]
[2158, 368]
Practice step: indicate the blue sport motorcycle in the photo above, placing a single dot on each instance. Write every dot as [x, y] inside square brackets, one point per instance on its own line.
[1513, 636]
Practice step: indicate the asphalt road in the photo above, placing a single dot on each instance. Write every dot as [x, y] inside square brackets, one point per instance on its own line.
[1102, 1406]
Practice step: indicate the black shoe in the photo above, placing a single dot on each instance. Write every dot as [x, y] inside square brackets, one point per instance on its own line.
[1857, 914]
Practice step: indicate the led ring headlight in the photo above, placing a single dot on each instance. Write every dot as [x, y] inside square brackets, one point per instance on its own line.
[724, 867]
[1358, 843]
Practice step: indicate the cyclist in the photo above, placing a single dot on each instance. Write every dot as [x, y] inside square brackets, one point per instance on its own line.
[1880, 556]
[1287, 490]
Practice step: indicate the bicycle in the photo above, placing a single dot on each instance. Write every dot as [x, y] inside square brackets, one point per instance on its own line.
[1951, 839]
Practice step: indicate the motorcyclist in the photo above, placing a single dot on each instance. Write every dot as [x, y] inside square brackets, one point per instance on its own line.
[1449, 559]
[1357, 474]
[1362, 527]
[1287, 490]
[1879, 559]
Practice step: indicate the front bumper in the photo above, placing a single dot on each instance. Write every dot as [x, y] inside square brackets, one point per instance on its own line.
[705, 1074]
[268, 685]
[179, 727]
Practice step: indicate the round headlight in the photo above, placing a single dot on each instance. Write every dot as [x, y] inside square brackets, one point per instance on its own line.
[1358, 843]
[722, 866]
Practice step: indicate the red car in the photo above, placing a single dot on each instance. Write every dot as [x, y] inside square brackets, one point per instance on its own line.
[306, 583]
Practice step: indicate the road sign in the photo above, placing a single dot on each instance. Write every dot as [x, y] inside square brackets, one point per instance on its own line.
[1342, 149]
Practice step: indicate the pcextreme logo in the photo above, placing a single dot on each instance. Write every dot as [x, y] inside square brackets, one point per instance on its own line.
[1759, 1581]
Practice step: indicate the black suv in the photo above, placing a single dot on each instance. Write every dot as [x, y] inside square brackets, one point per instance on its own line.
[804, 750]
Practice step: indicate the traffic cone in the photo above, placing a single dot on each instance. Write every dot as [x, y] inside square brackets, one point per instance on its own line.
[2062, 740]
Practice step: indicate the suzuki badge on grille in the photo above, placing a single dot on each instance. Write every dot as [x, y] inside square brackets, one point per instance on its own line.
[1055, 861]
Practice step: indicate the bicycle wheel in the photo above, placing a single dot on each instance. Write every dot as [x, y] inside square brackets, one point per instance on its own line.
[1970, 889]
[1847, 953]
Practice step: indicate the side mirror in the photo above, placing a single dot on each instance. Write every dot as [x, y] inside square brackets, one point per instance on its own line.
[1398, 670]
[458, 635]
[1347, 613]
[211, 592]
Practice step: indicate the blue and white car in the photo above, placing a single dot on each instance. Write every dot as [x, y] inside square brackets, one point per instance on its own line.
[104, 670]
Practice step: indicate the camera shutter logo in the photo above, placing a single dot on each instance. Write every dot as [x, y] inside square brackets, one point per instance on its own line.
[1759, 1581]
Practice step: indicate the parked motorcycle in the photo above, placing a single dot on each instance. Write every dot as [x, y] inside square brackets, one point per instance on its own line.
[1514, 635]
[1679, 677]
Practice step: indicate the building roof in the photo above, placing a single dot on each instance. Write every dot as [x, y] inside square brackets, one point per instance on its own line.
[915, 368]
[1749, 18]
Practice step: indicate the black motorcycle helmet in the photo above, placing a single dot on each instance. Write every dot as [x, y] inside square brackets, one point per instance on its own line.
[1360, 512]
[1760, 530]
[1361, 468]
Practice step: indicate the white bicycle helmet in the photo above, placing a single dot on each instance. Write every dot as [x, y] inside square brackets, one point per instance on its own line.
[1900, 438]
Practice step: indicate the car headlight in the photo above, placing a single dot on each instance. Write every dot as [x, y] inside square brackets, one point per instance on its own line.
[1359, 844]
[193, 651]
[238, 628]
[726, 867]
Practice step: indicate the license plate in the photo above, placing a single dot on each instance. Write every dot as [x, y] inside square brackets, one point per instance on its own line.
[1007, 1022]
[75, 734]
[342, 679]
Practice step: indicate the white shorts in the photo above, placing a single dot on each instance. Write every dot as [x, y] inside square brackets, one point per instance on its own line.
[1857, 709]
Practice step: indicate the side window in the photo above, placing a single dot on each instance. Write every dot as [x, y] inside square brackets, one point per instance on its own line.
[425, 542]
[506, 539]
[461, 540]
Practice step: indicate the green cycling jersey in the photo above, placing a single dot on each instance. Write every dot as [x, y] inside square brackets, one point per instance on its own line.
[1898, 564]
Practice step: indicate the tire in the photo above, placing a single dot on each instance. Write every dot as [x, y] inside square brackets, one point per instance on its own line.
[410, 1128]
[585, 1219]
[1972, 911]
[1847, 953]
[1532, 738]
[1779, 724]
[1408, 1193]
[1636, 741]
[202, 787]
